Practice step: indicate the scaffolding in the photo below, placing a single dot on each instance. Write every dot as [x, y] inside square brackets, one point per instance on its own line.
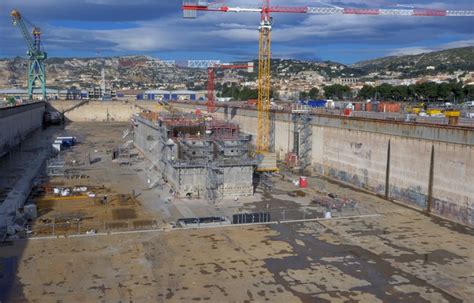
[194, 155]
[214, 181]
[55, 166]
[124, 153]
[303, 134]
[156, 149]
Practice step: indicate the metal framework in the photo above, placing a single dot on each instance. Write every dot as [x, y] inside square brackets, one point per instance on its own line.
[264, 55]
[202, 63]
[36, 69]
[303, 134]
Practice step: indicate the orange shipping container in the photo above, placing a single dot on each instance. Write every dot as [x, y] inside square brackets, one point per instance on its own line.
[368, 107]
[389, 107]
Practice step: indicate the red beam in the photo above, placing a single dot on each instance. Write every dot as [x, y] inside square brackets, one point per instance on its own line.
[362, 11]
[288, 9]
[429, 12]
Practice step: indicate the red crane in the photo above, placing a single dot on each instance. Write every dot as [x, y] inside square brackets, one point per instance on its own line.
[211, 75]
[191, 7]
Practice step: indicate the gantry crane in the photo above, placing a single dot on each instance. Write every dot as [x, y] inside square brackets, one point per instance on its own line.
[211, 76]
[190, 9]
[36, 55]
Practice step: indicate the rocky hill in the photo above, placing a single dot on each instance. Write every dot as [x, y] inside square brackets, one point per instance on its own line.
[126, 71]
[413, 65]
[146, 72]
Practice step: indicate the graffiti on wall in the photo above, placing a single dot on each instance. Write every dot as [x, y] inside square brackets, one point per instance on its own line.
[413, 195]
[463, 214]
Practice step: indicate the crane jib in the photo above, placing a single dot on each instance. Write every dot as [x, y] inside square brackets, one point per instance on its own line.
[417, 12]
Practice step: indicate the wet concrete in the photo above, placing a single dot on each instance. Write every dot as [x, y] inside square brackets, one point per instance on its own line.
[354, 261]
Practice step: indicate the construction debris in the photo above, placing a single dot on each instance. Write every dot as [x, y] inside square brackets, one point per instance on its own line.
[331, 201]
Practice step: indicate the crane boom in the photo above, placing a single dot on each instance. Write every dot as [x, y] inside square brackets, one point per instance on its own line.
[319, 10]
[18, 22]
[36, 69]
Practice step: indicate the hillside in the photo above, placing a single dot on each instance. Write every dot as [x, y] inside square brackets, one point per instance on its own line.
[125, 71]
[146, 72]
[414, 65]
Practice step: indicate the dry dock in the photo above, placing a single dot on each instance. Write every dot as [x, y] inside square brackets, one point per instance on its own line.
[113, 241]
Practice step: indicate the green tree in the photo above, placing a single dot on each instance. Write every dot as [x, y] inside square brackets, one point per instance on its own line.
[469, 92]
[313, 93]
[366, 92]
[385, 91]
[303, 95]
[337, 91]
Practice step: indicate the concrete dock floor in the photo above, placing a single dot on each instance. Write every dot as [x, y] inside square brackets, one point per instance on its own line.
[399, 256]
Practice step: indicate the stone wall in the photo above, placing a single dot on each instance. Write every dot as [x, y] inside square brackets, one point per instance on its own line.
[17, 122]
[102, 111]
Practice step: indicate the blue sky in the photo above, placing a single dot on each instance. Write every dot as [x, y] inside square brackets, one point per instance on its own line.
[85, 28]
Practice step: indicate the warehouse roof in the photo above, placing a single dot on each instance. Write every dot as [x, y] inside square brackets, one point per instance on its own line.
[13, 91]
[183, 92]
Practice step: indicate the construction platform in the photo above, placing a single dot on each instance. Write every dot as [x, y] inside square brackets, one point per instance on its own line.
[200, 157]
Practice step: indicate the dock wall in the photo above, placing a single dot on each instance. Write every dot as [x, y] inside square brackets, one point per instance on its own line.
[429, 167]
[17, 122]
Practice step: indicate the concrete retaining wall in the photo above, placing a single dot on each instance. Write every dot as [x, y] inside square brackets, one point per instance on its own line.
[102, 111]
[17, 122]
[356, 151]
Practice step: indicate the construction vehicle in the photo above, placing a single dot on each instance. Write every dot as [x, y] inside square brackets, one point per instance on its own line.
[36, 55]
[211, 75]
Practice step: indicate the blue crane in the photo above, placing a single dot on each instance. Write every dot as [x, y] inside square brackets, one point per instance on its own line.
[36, 55]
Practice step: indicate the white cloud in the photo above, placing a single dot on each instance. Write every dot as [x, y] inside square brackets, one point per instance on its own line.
[419, 50]
[235, 33]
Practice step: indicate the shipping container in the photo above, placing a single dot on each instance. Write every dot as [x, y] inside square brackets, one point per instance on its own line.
[375, 106]
[317, 103]
[389, 107]
[252, 102]
[433, 112]
[368, 107]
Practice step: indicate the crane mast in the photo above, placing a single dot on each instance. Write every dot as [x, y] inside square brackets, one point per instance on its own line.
[36, 69]
[264, 83]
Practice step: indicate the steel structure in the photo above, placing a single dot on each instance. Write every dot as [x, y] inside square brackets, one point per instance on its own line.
[211, 76]
[36, 69]
[190, 9]
[302, 138]
[202, 63]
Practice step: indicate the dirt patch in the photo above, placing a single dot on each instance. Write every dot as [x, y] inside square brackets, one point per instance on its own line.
[116, 225]
[124, 214]
[143, 224]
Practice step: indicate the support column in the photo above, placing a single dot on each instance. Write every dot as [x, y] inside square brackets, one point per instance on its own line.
[430, 182]
[387, 172]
